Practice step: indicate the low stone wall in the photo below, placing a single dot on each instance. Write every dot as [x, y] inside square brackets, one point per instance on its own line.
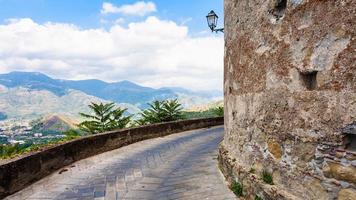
[19, 173]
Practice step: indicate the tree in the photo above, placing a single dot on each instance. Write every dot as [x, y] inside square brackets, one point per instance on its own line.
[218, 111]
[71, 134]
[161, 111]
[105, 118]
[172, 110]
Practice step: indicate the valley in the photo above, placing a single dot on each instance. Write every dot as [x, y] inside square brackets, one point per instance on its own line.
[37, 109]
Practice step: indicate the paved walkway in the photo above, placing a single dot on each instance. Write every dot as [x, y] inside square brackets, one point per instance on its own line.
[179, 166]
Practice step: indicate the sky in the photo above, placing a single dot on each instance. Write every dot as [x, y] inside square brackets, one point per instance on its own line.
[157, 43]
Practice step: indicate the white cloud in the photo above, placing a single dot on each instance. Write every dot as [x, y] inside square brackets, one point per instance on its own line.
[139, 8]
[119, 21]
[153, 52]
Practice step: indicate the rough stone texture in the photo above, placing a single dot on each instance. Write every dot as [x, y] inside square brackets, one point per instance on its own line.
[340, 172]
[290, 97]
[178, 166]
[347, 194]
[18, 173]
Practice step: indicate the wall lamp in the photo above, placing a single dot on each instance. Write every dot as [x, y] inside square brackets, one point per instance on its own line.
[212, 19]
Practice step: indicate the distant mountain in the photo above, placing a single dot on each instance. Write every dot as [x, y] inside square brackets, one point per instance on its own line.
[125, 91]
[203, 94]
[119, 92]
[24, 103]
[32, 80]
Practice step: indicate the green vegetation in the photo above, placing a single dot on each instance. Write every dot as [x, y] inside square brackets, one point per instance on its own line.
[252, 170]
[106, 118]
[267, 177]
[12, 150]
[171, 110]
[9, 150]
[258, 198]
[3, 140]
[218, 111]
[161, 111]
[237, 188]
[212, 112]
[71, 135]
[36, 124]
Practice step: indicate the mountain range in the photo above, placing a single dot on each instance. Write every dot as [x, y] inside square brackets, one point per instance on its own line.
[30, 94]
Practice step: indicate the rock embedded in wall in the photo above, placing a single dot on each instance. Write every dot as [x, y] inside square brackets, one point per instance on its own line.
[347, 194]
[290, 93]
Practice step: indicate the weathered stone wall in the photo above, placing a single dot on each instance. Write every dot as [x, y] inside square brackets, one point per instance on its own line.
[18, 173]
[290, 83]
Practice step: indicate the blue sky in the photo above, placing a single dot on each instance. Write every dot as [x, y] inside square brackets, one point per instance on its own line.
[86, 13]
[157, 43]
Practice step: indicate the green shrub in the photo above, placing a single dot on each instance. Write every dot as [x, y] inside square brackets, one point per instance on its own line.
[252, 170]
[236, 188]
[161, 111]
[13, 150]
[105, 117]
[71, 134]
[212, 112]
[218, 111]
[258, 198]
[10, 150]
[267, 177]
[197, 115]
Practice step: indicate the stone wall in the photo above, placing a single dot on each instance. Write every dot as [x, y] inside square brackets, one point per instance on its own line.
[290, 83]
[19, 173]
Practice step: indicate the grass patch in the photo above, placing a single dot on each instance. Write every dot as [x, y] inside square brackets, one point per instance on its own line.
[267, 177]
[258, 198]
[252, 170]
[8, 151]
[236, 188]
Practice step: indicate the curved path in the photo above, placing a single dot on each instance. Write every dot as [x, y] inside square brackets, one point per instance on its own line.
[178, 166]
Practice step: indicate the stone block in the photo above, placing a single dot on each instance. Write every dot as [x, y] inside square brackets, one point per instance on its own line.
[275, 149]
[347, 194]
[340, 172]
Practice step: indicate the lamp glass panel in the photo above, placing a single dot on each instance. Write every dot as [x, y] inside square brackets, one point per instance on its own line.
[211, 21]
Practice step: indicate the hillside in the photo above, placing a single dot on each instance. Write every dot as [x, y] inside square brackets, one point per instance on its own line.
[205, 107]
[119, 92]
[25, 103]
[57, 123]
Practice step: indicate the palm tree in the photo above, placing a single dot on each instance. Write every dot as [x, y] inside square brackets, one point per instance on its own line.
[151, 115]
[172, 110]
[105, 117]
[161, 111]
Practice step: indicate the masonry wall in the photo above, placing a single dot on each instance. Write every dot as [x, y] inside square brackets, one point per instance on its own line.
[19, 173]
[290, 83]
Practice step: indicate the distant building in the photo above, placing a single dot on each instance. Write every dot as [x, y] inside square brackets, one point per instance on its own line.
[37, 135]
[12, 141]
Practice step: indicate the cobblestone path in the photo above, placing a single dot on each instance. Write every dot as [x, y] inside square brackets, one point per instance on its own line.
[179, 166]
